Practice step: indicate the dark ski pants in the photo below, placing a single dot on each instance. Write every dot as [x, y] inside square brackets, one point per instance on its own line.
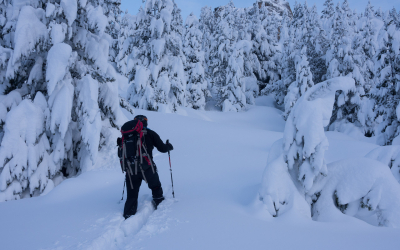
[153, 181]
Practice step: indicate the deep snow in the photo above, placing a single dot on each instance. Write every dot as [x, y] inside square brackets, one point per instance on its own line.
[218, 162]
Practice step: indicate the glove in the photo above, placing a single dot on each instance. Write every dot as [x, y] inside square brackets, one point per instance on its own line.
[169, 145]
[119, 142]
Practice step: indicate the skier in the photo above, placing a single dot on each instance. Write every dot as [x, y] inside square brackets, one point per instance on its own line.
[147, 171]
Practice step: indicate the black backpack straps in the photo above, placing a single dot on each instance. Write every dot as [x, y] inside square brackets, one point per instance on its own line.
[148, 157]
[129, 165]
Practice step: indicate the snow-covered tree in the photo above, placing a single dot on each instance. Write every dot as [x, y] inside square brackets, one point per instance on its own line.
[286, 67]
[386, 91]
[127, 44]
[58, 62]
[298, 160]
[346, 57]
[206, 26]
[329, 9]
[327, 18]
[264, 35]
[369, 11]
[158, 82]
[304, 30]
[303, 81]
[314, 37]
[395, 17]
[196, 79]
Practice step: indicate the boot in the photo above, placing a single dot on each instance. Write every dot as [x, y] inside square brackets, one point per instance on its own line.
[156, 201]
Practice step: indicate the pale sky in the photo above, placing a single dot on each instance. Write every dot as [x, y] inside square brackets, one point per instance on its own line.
[188, 6]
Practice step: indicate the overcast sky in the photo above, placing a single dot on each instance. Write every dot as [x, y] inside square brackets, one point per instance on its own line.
[188, 6]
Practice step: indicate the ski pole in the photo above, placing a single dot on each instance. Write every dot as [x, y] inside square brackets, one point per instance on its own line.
[123, 191]
[170, 168]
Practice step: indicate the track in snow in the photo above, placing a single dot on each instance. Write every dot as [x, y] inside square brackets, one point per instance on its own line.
[145, 223]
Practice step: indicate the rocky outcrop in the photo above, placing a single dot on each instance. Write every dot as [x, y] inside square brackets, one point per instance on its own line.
[276, 6]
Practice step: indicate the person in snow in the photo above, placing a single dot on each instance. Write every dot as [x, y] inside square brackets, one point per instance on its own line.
[146, 169]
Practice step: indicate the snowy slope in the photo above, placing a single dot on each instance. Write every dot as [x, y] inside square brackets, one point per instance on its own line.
[217, 163]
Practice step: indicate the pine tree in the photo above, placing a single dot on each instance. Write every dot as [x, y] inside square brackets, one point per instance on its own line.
[329, 10]
[159, 79]
[303, 81]
[223, 40]
[327, 18]
[386, 92]
[347, 58]
[370, 47]
[316, 43]
[369, 11]
[59, 64]
[127, 43]
[286, 67]
[195, 74]
[264, 35]
[340, 45]
[395, 17]
[206, 26]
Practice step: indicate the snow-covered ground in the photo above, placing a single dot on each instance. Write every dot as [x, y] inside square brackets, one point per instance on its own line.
[217, 163]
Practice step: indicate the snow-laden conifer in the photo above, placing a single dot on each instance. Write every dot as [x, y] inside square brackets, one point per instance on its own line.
[303, 81]
[159, 78]
[286, 58]
[346, 57]
[197, 89]
[395, 17]
[386, 91]
[206, 26]
[313, 36]
[264, 33]
[299, 159]
[55, 46]
[329, 9]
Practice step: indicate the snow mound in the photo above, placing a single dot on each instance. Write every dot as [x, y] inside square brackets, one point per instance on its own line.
[362, 188]
[278, 192]
[388, 155]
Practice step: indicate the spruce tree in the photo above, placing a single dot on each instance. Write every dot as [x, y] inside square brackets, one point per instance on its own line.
[206, 26]
[264, 36]
[59, 64]
[195, 74]
[347, 58]
[386, 91]
[159, 78]
[395, 17]
[316, 42]
[303, 81]
[329, 9]
[286, 67]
